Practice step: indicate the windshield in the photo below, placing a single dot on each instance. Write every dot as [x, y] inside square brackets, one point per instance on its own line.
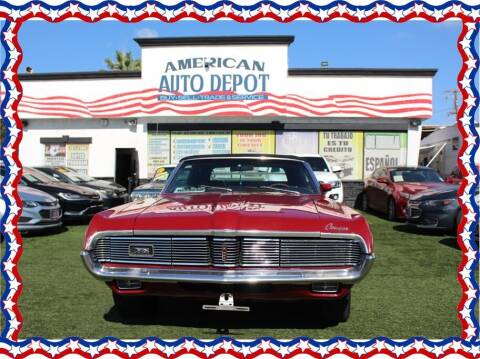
[242, 175]
[74, 175]
[35, 176]
[415, 175]
[162, 174]
[318, 164]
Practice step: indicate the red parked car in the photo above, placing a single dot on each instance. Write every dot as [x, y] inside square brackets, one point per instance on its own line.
[243, 227]
[388, 189]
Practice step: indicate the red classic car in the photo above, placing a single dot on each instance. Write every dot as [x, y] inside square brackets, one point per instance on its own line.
[388, 188]
[248, 227]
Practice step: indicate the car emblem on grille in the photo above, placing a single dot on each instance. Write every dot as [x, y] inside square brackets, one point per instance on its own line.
[224, 253]
[140, 250]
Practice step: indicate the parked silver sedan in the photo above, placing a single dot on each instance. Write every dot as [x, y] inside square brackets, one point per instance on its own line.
[40, 210]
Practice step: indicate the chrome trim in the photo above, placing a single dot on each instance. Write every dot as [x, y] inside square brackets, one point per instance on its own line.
[229, 276]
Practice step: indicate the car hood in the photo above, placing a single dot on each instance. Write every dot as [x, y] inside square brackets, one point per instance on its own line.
[414, 187]
[326, 176]
[32, 194]
[208, 212]
[446, 192]
[101, 184]
[57, 187]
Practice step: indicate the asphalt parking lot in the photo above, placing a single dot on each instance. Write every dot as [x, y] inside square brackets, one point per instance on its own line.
[412, 290]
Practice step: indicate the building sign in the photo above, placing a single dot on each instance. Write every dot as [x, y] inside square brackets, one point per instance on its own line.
[253, 142]
[55, 154]
[158, 151]
[188, 143]
[213, 78]
[77, 157]
[384, 149]
[344, 149]
[296, 142]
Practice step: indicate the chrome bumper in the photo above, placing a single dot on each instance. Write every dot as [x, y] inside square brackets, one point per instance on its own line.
[229, 276]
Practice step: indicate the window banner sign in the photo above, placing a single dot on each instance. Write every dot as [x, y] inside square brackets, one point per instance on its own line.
[55, 154]
[253, 141]
[188, 143]
[296, 142]
[384, 149]
[158, 151]
[344, 149]
[77, 157]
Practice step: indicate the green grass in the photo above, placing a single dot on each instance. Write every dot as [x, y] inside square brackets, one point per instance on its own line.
[411, 290]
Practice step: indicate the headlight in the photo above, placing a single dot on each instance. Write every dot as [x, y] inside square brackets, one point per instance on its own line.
[30, 204]
[405, 195]
[439, 202]
[70, 196]
[335, 184]
[103, 193]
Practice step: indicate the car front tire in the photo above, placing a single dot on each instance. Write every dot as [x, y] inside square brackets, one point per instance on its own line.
[391, 210]
[365, 206]
[338, 311]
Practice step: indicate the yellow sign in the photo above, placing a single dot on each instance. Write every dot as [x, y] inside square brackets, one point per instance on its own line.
[253, 141]
[344, 149]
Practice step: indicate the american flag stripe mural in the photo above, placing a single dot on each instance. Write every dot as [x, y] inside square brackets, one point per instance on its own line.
[148, 103]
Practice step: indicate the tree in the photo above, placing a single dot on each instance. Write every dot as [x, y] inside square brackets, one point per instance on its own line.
[123, 62]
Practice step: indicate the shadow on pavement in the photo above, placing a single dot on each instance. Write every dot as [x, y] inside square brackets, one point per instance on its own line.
[414, 230]
[450, 242]
[262, 315]
[44, 233]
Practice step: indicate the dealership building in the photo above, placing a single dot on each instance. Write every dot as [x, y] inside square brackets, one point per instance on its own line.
[200, 95]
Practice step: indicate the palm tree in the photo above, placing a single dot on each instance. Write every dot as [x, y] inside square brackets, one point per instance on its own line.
[123, 62]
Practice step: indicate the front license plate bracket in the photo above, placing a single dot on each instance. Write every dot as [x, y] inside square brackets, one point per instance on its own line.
[225, 303]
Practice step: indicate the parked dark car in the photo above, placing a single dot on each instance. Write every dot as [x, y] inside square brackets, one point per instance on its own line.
[77, 202]
[153, 188]
[435, 209]
[388, 188]
[110, 193]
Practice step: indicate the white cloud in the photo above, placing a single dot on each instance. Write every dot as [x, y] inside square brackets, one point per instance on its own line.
[146, 32]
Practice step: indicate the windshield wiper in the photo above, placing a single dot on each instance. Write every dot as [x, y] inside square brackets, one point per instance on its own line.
[280, 189]
[216, 187]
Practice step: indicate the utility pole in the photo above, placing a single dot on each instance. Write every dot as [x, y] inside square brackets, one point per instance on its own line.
[454, 94]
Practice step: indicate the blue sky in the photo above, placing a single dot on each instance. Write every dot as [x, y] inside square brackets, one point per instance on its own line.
[78, 46]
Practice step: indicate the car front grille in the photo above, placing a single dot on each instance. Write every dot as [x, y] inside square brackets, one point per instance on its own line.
[229, 252]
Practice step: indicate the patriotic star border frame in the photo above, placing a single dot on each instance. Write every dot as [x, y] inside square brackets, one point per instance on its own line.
[467, 346]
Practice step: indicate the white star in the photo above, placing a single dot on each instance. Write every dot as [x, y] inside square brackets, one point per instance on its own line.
[471, 63]
[15, 350]
[360, 14]
[470, 26]
[465, 120]
[227, 345]
[188, 345]
[283, 350]
[14, 209]
[208, 350]
[465, 43]
[474, 14]
[342, 9]
[418, 345]
[73, 8]
[437, 14]
[9, 113]
[130, 350]
[8, 265]
[418, 8]
[9, 227]
[303, 8]
[456, 9]
[438, 350]
[73, 345]
[470, 140]
[379, 8]
[245, 350]
[360, 350]
[283, 14]
[470, 101]
[208, 14]
[227, 9]
[53, 14]
[471, 178]
[470, 217]
[323, 350]
[465, 157]
[15, 14]
[304, 345]
[465, 82]
[111, 345]
[465, 235]
[14, 131]
[471, 293]
[398, 14]
[151, 8]
[8, 35]
[470, 331]
[92, 350]
[8, 304]
[14, 54]
[471, 254]
[93, 14]
[323, 14]
[14, 94]
[169, 350]
[35, 345]
[265, 8]
[8, 151]
[398, 350]
[14, 323]
[465, 313]
[465, 273]
[14, 169]
[35, 8]
[130, 14]
[342, 345]
[112, 9]
[53, 350]
[245, 14]
[475, 350]
[150, 345]
[8, 74]
[265, 345]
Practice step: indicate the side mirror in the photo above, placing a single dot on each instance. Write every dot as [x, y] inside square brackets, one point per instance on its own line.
[326, 186]
[337, 169]
[382, 180]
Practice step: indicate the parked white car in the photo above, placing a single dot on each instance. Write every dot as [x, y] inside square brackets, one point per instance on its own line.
[325, 173]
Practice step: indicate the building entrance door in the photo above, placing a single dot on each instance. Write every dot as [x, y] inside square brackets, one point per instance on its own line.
[126, 167]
